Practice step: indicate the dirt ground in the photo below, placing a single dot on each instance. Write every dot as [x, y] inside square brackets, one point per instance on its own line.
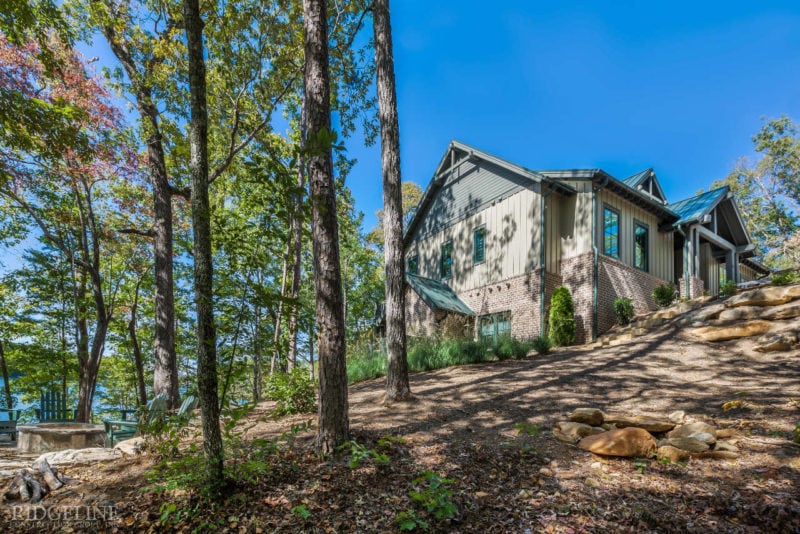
[463, 426]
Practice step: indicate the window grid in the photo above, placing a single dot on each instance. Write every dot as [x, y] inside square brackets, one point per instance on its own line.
[479, 245]
[413, 265]
[446, 266]
[610, 232]
[641, 246]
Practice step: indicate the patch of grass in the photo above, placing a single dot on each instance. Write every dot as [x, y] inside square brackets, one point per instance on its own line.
[508, 348]
[541, 345]
[367, 360]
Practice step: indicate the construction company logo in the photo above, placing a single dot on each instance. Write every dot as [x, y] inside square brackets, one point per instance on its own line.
[67, 516]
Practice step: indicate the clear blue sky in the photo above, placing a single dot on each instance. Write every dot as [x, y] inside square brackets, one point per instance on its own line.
[678, 86]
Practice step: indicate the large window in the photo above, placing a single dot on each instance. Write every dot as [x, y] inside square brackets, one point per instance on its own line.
[491, 327]
[479, 245]
[641, 240]
[610, 232]
[413, 265]
[447, 260]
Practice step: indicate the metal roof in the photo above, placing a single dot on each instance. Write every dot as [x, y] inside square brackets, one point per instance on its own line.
[696, 207]
[437, 295]
[637, 179]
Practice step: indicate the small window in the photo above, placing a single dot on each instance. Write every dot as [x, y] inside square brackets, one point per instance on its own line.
[413, 264]
[640, 246]
[447, 260]
[479, 245]
[610, 232]
[493, 326]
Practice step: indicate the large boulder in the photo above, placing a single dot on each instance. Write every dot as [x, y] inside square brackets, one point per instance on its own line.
[767, 296]
[742, 313]
[775, 342]
[131, 446]
[570, 432]
[709, 312]
[789, 310]
[80, 456]
[693, 445]
[734, 331]
[587, 416]
[629, 442]
[684, 431]
[644, 422]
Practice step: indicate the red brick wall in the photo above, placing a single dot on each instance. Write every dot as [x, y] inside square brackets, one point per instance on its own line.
[617, 279]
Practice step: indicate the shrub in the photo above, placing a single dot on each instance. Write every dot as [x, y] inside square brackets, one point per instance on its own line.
[623, 309]
[785, 278]
[727, 289]
[366, 360]
[562, 318]
[664, 294]
[294, 391]
[541, 345]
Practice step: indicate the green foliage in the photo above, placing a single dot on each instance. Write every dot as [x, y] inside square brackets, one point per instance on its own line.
[561, 324]
[366, 360]
[434, 494]
[408, 521]
[294, 392]
[727, 289]
[301, 511]
[623, 310]
[507, 347]
[456, 326]
[785, 278]
[541, 344]
[528, 428]
[664, 294]
[425, 354]
[359, 453]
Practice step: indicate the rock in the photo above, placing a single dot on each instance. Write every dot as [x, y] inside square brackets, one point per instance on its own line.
[742, 313]
[789, 310]
[725, 446]
[587, 416]
[677, 417]
[723, 455]
[766, 296]
[643, 422]
[725, 433]
[546, 472]
[130, 446]
[705, 437]
[709, 312]
[570, 432]
[608, 426]
[628, 442]
[734, 331]
[673, 453]
[684, 431]
[80, 456]
[686, 444]
[775, 342]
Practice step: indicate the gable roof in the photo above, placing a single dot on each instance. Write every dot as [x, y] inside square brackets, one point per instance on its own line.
[646, 182]
[695, 208]
[638, 178]
[437, 295]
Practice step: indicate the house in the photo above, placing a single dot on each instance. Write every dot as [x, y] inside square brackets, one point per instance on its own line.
[492, 240]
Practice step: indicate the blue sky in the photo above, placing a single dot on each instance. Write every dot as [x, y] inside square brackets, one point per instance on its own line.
[679, 86]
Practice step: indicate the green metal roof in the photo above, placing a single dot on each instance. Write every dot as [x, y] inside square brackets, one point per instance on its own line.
[694, 208]
[636, 180]
[437, 295]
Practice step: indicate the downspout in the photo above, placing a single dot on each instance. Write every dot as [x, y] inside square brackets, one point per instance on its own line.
[542, 259]
[596, 255]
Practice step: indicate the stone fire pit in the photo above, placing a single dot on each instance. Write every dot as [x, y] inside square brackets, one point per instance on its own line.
[46, 437]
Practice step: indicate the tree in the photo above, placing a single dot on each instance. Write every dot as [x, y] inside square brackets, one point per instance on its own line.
[203, 266]
[397, 387]
[411, 195]
[768, 193]
[334, 427]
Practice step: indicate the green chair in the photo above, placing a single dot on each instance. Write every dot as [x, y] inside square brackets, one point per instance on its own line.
[117, 431]
[53, 408]
[9, 425]
[188, 406]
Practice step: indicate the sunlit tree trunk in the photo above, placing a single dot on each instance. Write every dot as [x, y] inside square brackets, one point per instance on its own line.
[334, 426]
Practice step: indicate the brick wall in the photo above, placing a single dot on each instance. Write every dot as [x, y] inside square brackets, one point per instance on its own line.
[617, 279]
[420, 319]
[577, 275]
[696, 287]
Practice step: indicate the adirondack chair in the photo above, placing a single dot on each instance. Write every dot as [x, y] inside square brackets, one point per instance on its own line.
[117, 431]
[188, 406]
[8, 425]
[53, 408]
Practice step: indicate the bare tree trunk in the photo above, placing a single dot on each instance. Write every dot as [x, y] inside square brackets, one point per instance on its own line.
[257, 356]
[397, 387]
[137, 352]
[6, 384]
[334, 426]
[203, 263]
[277, 335]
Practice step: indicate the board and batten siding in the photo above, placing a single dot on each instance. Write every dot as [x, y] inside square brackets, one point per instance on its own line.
[575, 221]
[513, 230]
[661, 263]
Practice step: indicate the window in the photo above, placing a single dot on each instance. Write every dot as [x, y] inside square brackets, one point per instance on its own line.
[493, 326]
[447, 260]
[413, 265]
[610, 232]
[479, 245]
[640, 246]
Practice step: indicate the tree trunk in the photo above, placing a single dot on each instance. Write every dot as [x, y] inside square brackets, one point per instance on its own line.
[276, 340]
[203, 263]
[334, 427]
[257, 356]
[137, 352]
[6, 385]
[397, 387]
